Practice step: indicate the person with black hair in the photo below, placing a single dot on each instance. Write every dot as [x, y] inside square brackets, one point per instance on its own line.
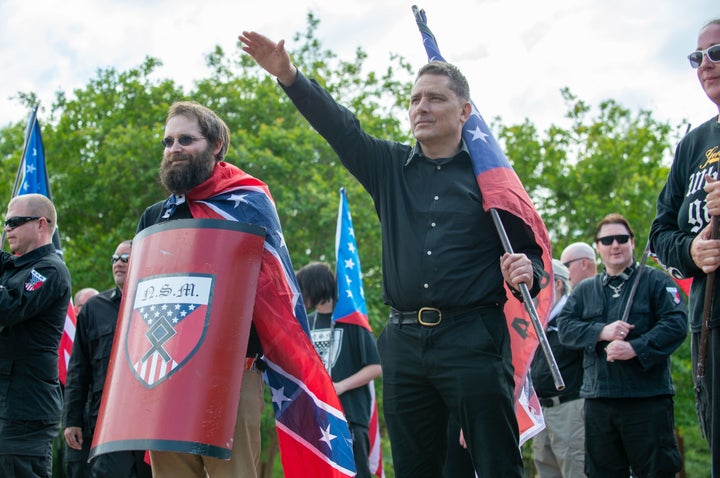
[349, 353]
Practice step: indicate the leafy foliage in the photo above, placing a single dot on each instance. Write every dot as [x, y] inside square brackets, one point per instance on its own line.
[613, 162]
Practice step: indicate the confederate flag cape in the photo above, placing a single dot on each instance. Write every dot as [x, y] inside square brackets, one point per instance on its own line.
[313, 433]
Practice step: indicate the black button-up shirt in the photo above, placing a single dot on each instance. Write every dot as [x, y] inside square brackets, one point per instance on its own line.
[440, 248]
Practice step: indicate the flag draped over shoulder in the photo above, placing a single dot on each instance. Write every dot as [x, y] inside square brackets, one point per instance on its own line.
[352, 309]
[35, 180]
[501, 189]
[313, 433]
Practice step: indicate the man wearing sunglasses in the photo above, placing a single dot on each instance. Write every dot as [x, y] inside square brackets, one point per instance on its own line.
[628, 390]
[86, 380]
[579, 258]
[681, 232]
[35, 292]
[203, 185]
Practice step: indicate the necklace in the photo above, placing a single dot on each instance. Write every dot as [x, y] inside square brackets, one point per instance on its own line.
[616, 289]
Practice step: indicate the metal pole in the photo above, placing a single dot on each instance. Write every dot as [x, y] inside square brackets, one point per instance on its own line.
[16, 186]
[641, 269]
[530, 307]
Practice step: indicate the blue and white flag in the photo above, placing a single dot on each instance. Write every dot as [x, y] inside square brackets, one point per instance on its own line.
[351, 307]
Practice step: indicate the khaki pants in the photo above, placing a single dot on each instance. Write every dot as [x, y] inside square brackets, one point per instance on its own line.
[246, 443]
[559, 450]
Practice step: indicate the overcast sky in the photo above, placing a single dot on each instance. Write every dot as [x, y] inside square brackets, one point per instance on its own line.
[517, 55]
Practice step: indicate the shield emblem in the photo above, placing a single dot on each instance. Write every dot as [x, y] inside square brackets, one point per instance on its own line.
[169, 320]
[328, 345]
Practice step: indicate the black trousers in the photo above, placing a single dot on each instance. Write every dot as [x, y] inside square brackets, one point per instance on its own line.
[463, 368]
[26, 448]
[361, 449]
[120, 464]
[457, 461]
[630, 434]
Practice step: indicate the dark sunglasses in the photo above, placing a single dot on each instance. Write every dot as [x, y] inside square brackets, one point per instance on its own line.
[567, 264]
[184, 140]
[696, 57]
[608, 240]
[120, 257]
[17, 221]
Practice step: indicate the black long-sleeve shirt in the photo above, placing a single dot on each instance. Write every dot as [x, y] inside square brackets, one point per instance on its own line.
[35, 292]
[659, 317]
[440, 248]
[90, 358]
[682, 213]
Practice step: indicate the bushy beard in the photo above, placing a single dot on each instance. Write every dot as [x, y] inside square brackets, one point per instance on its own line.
[181, 177]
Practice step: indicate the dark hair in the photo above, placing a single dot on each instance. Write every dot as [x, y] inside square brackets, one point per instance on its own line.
[211, 126]
[317, 284]
[458, 82]
[613, 218]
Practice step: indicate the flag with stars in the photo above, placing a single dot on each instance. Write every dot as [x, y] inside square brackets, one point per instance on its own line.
[351, 307]
[501, 189]
[35, 180]
[166, 330]
[312, 430]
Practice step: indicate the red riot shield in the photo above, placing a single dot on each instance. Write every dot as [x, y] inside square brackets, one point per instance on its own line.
[173, 382]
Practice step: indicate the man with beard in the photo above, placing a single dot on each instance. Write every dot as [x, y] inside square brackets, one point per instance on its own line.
[193, 170]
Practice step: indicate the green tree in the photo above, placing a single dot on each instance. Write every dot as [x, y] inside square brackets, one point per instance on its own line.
[612, 162]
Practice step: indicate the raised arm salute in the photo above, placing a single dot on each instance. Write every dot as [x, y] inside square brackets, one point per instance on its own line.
[445, 350]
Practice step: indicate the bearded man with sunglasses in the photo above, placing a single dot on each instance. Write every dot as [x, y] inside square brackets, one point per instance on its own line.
[680, 233]
[628, 390]
[35, 292]
[88, 366]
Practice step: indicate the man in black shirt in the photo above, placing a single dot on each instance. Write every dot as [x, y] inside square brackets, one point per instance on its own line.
[627, 385]
[446, 348]
[34, 295]
[89, 361]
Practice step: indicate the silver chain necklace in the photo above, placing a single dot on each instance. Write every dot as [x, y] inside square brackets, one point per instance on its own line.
[616, 289]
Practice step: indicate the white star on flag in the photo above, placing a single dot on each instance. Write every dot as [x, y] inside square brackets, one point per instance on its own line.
[479, 134]
[278, 397]
[327, 437]
[237, 198]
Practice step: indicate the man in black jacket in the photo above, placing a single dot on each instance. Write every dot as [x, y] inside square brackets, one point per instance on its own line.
[35, 293]
[628, 390]
[86, 379]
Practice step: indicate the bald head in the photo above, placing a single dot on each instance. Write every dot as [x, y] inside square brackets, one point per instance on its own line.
[579, 258]
[29, 222]
[82, 296]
